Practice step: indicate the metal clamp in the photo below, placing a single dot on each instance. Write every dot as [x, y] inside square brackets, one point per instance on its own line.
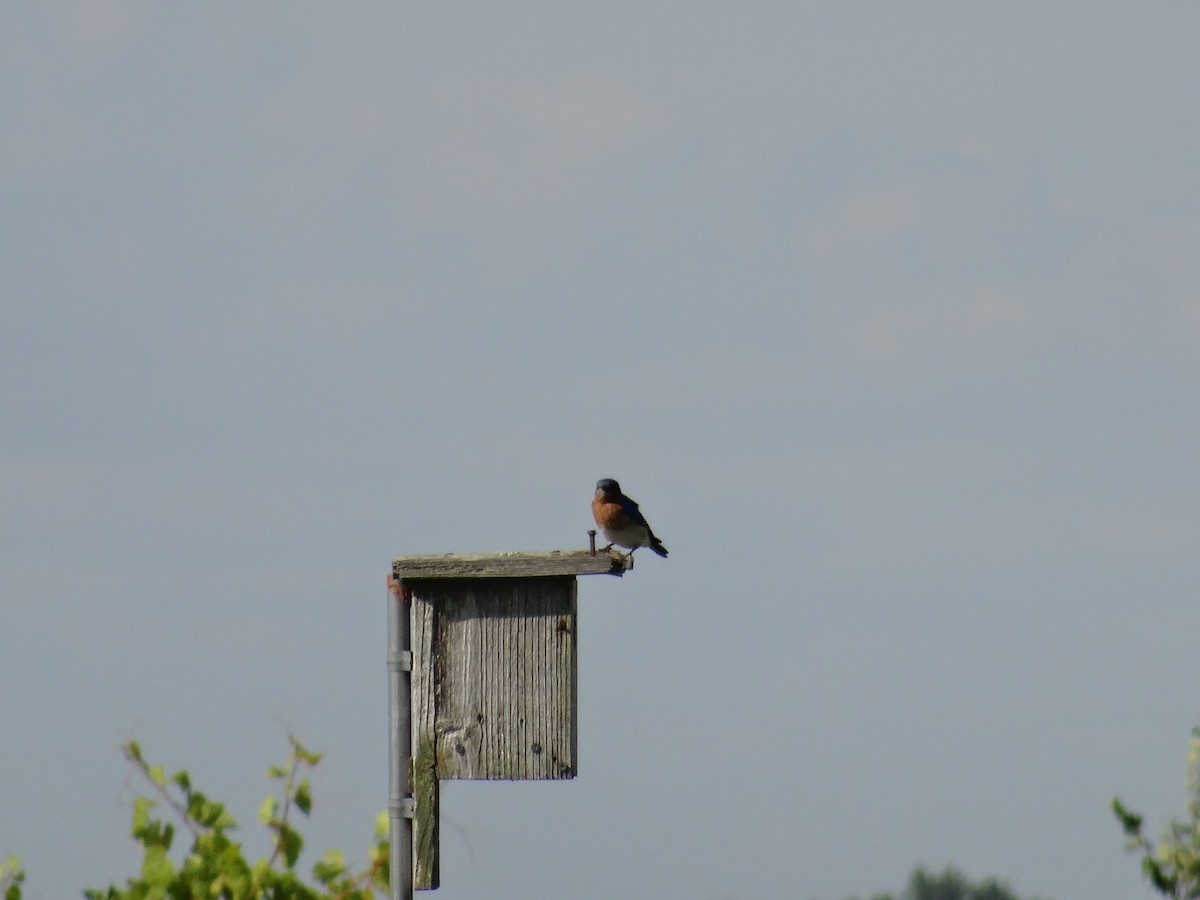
[400, 662]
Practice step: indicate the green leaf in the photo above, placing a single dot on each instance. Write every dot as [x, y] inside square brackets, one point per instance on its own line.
[303, 797]
[1131, 823]
[182, 779]
[261, 876]
[141, 814]
[158, 775]
[199, 807]
[266, 812]
[291, 843]
[157, 868]
[1161, 881]
[383, 825]
[302, 753]
[276, 772]
[330, 866]
[208, 813]
[234, 873]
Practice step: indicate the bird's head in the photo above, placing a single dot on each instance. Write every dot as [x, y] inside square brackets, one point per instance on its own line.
[606, 487]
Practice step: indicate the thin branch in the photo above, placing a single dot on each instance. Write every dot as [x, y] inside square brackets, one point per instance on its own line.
[180, 810]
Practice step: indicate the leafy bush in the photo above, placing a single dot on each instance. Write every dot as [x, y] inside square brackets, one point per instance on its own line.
[215, 866]
[1173, 864]
[950, 884]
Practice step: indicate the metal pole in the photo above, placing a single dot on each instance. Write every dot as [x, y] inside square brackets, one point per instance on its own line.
[400, 798]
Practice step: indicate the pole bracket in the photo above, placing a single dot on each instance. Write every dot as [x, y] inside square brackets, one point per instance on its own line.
[404, 808]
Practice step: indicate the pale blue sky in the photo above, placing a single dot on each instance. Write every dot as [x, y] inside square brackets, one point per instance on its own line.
[889, 316]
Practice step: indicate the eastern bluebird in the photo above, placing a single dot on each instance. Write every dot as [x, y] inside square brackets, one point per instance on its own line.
[621, 521]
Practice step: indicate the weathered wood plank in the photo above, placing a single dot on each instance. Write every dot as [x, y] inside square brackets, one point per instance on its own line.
[495, 676]
[426, 839]
[427, 869]
[510, 565]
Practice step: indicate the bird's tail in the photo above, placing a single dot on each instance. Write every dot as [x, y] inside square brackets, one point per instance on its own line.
[657, 546]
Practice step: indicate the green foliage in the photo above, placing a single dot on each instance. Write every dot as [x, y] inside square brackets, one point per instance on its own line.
[1173, 864]
[11, 876]
[215, 866]
[950, 884]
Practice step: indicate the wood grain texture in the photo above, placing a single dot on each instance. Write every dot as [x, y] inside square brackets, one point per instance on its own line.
[509, 565]
[426, 789]
[426, 838]
[495, 676]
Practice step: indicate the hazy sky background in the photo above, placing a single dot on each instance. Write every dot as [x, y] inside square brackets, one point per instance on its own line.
[888, 314]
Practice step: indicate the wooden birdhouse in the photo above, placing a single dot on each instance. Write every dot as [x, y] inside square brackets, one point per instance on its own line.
[490, 643]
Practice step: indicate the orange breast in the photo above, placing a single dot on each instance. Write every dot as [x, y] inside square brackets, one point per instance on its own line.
[607, 515]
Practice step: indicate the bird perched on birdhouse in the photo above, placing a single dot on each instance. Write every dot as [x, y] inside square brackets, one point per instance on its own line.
[620, 520]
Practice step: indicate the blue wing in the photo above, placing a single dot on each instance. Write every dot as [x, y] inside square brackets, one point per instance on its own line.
[631, 509]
